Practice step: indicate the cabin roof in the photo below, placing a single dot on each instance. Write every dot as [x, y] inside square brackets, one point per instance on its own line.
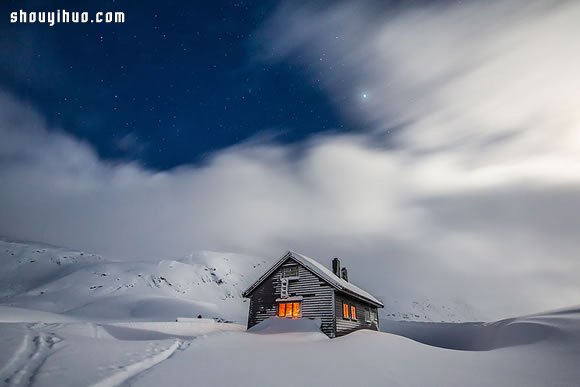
[321, 271]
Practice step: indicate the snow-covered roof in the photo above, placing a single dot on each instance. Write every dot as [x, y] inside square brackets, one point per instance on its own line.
[322, 272]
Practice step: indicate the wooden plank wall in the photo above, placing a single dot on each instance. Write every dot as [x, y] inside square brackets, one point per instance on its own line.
[263, 302]
[345, 326]
[317, 301]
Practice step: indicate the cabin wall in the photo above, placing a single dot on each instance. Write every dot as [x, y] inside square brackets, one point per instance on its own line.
[262, 302]
[345, 326]
[317, 298]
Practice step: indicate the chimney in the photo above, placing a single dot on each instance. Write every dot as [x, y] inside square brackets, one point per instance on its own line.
[344, 273]
[336, 267]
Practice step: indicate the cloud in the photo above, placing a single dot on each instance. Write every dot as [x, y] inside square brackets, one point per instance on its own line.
[465, 184]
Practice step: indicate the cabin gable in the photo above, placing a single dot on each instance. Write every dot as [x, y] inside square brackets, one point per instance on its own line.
[314, 296]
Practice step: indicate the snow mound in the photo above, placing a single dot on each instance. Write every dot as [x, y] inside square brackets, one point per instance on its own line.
[548, 327]
[11, 315]
[275, 325]
[151, 354]
[164, 330]
[382, 359]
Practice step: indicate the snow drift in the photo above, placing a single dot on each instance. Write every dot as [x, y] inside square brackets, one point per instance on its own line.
[216, 354]
[283, 325]
[552, 326]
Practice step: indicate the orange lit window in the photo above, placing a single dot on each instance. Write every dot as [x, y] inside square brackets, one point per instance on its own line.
[345, 311]
[289, 309]
[353, 312]
[296, 310]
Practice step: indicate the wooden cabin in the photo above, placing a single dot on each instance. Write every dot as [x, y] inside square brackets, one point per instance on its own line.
[300, 287]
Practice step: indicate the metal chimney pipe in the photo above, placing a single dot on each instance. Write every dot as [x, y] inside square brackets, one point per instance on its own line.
[336, 267]
[344, 273]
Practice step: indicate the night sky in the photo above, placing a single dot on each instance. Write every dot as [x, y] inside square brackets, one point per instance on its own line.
[175, 82]
[432, 145]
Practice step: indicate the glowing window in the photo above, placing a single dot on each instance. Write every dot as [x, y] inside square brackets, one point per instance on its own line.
[353, 312]
[345, 310]
[289, 309]
[295, 309]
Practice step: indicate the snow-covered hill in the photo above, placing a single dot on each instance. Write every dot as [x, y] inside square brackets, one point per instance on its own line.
[53, 279]
[57, 308]
[74, 283]
[426, 309]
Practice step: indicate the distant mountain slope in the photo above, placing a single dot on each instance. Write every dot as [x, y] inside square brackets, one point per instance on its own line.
[84, 285]
[58, 280]
[428, 309]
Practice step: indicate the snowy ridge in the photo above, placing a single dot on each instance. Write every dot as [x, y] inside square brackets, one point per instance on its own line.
[90, 286]
[427, 309]
[84, 285]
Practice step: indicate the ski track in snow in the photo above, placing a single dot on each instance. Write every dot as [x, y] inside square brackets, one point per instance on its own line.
[23, 367]
[9, 368]
[133, 370]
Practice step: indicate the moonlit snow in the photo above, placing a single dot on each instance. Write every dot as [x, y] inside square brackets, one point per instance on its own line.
[76, 319]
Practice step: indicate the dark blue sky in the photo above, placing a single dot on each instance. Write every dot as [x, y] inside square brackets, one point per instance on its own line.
[177, 81]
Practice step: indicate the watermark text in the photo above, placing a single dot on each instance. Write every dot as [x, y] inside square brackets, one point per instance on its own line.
[62, 16]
